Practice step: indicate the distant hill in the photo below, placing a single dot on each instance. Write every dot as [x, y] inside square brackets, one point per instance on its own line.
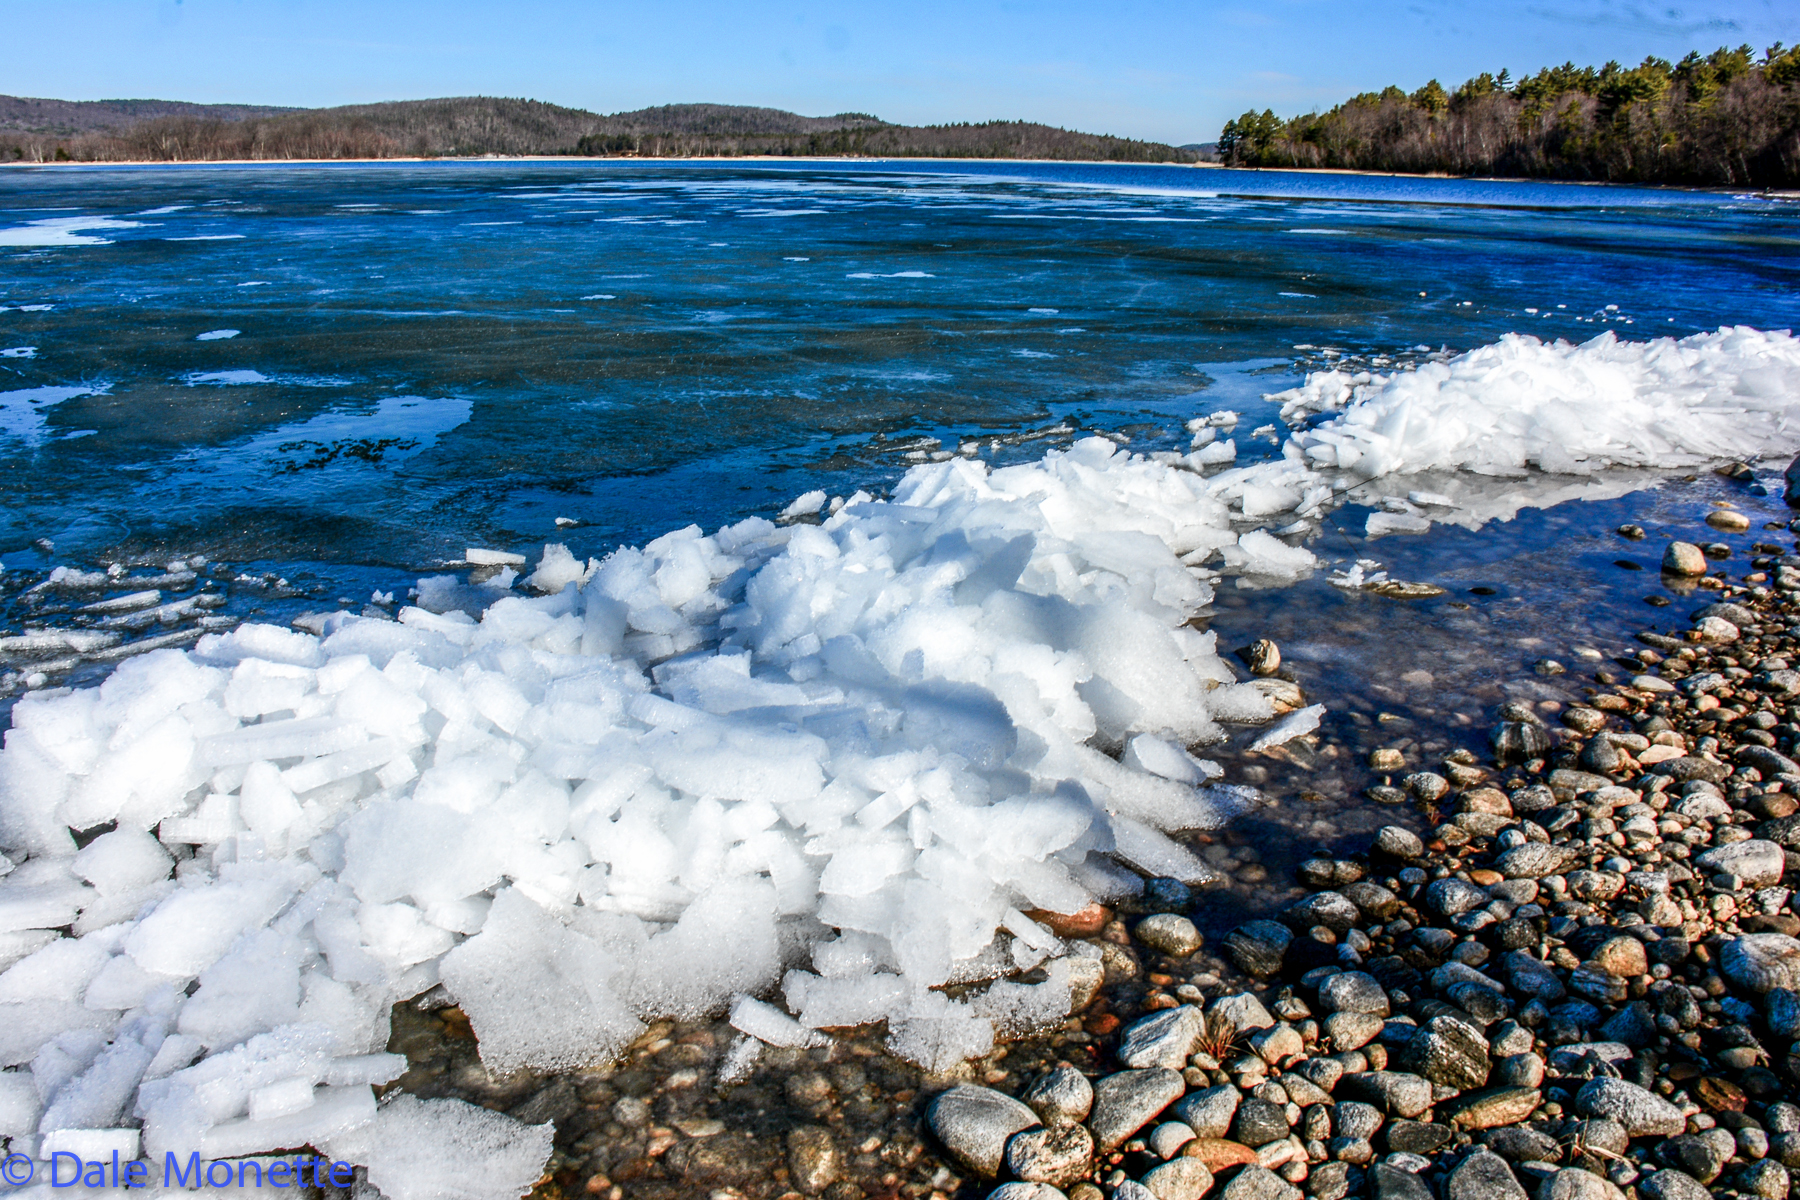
[67, 118]
[472, 126]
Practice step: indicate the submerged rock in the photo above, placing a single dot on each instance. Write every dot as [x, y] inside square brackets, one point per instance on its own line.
[1257, 947]
[1684, 558]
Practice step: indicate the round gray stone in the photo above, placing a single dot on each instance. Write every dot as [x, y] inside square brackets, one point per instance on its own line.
[1162, 1039]
[1208, 1112]
[1642, 1113]
[1126, 1101]
[1354, 1119]
[1353, 991]
[1352, 1030]
[1759, 962]
[1028, 1191]
[1060, 1096]
[1258, 1123]
[1258, 947]
[1448, 1052]
[1483, 1175]
[1396, 842]
[1061, 1157]
[1452, 897]
[1179, 1179]
[974, 1124]
[1573, 1183]
[1672, 1185]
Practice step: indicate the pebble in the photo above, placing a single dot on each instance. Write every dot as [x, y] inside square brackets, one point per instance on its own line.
[1172, 935]
[1126, 1101]
[1393, 1183]
[1449, 1052]
[1180, 1179]
[1701, 1156]
[1572, 1183]
[1061, 1096]
[1162, 1039]
[1086, 922]
[1243, 1012]
[1427, 786]
[1258, 1123]
[1353, 992]
[1031, 1191]
[1622, 956]
[974, 1124]
[1208, 1112]
[1534, 860]
[1767, 1179]
[1518, 1070]
[1483, 1175]
[1356, 1120]
[1396, 842]
[1727, 520]
[1781, 1009]
[1759, 962]
[1642, 1113]
[1394, 1092]
[1218, 1154]
[1452, 897]
[1522, 1143]
[1491, 1107]
[1757, 863]
[1259, 1183]
[1684, 558]
[813, 1160]
[1672, 1185]
[1060, 1157]
[1262, 656]
[1167, 1139]
[1352, 1030]
[1258, 947]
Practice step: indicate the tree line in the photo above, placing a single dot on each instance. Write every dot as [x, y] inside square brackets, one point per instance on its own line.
[480, 125]
[1729, 118]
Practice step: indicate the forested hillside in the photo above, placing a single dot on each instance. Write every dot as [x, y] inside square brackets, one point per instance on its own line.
[481, 125]
[1728, 118]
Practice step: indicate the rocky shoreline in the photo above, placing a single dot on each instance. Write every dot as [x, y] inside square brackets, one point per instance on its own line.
[1583, 982]
[1573, 977]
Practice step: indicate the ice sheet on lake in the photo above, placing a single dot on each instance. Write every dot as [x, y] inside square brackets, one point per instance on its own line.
[55, 232]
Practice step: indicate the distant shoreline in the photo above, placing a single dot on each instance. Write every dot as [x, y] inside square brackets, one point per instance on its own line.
[797, 159]
[598, 158]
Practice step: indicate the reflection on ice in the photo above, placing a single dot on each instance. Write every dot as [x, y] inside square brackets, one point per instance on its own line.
[22, 411]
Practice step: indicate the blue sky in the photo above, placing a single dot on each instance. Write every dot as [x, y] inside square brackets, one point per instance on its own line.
[1168, 71]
